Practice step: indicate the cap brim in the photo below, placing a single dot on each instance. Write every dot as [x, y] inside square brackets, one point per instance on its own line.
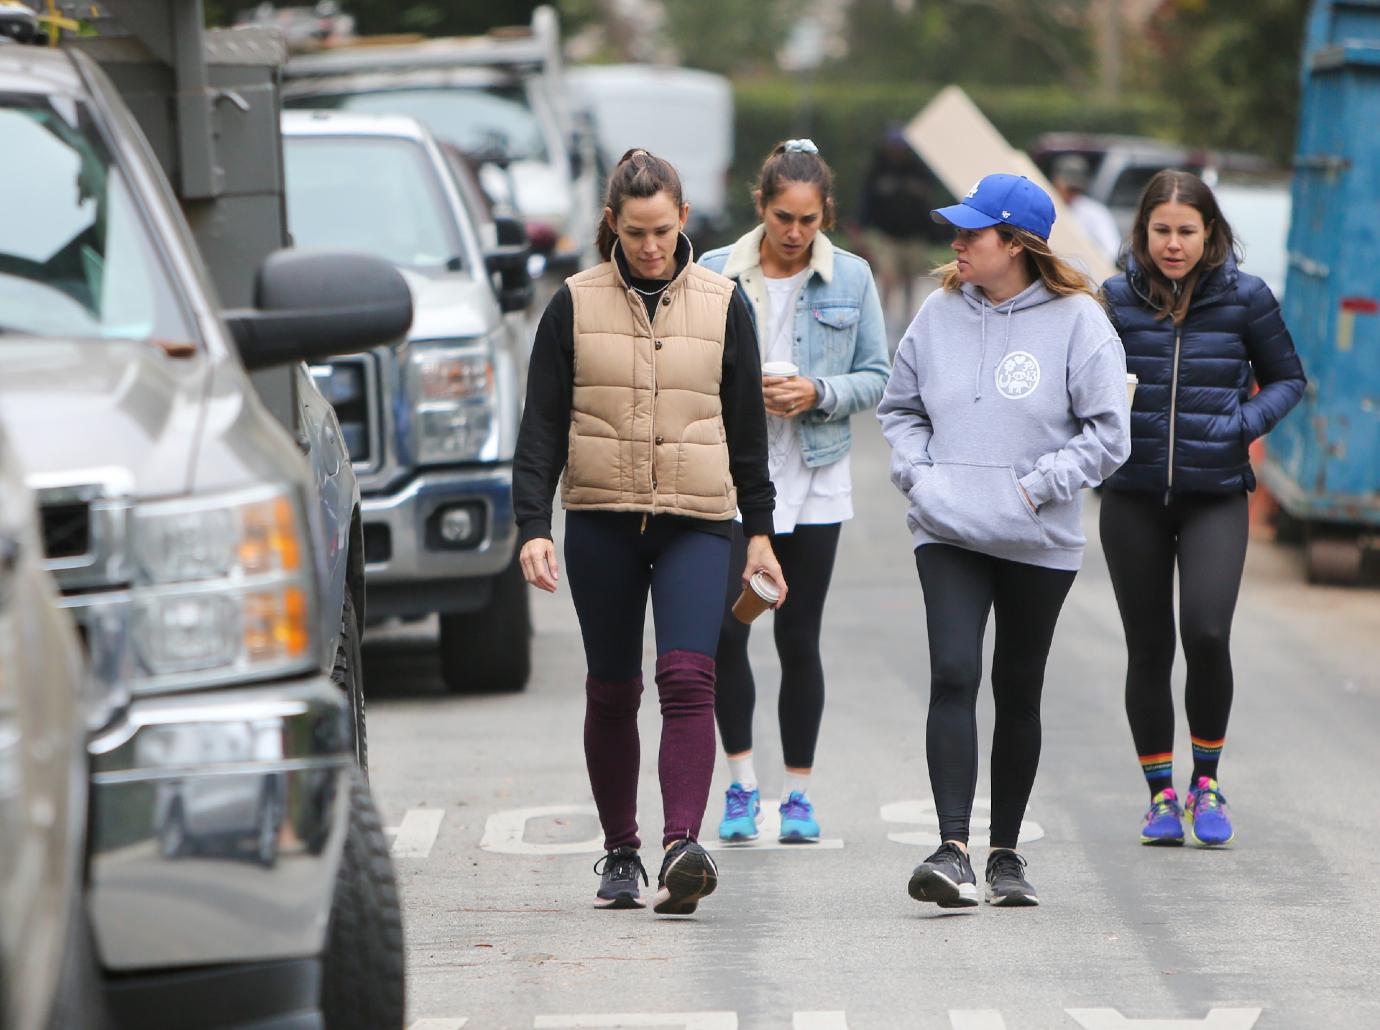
[964, 217]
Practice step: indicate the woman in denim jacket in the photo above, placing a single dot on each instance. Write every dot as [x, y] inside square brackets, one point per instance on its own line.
[816, 310]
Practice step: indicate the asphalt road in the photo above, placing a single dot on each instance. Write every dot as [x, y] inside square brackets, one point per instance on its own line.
[496, 834]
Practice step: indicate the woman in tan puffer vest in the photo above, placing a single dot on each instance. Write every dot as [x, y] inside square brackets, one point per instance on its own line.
[645, 389]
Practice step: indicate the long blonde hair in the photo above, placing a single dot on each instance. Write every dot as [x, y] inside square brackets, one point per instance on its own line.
[1059, 277]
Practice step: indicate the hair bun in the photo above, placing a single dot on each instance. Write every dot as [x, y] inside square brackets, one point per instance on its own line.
[800, 146]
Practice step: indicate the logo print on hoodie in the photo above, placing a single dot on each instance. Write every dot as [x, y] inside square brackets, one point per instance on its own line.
[1017, 375]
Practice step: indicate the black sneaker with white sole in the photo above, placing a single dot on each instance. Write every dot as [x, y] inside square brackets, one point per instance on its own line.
[618, 879]
[1006, 882]
[945, 878]
[687, 874]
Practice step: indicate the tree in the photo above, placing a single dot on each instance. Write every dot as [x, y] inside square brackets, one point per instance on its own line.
[1223, 66]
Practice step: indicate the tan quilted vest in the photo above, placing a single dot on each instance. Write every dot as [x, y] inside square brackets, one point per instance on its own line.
[646, 422]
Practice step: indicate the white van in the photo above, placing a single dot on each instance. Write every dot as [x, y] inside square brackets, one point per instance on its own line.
[682, 115]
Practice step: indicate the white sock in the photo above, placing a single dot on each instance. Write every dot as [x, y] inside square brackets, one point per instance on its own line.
[742, 772]
[794, 782]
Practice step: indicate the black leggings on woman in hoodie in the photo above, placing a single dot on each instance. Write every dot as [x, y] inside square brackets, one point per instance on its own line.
[961, 587]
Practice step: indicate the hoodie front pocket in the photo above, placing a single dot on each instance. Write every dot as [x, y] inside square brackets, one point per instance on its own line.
[974, 504]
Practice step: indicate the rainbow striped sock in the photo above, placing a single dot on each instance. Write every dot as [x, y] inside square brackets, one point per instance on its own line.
[1206, 755]
[1159, 771]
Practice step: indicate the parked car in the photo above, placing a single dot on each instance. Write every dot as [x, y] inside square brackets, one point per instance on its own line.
[502, 98]
[211, 556]
[42, 780]
[681, 114]
[1120, 166]
[432, 420]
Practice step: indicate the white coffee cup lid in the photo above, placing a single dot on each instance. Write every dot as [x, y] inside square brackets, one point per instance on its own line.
[1131, 377]
[764, 588]
[780, 368]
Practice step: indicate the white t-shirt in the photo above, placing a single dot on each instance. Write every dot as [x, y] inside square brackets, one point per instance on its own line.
[804, 496]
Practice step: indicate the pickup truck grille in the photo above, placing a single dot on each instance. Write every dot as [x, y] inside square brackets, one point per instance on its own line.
[351, 385]
[66, 530]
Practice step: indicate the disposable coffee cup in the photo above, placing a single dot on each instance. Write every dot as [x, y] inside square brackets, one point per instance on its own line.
[780, 368]
[1132, 381]
[759, 595]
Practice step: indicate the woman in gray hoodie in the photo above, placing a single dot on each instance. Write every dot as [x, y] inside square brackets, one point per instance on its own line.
[1007, 397]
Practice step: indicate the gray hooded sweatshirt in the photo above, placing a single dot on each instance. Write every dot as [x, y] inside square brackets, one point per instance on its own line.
[984, 400]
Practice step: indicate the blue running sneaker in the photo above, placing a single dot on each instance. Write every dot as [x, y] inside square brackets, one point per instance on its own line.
[1208, 822]
[798, 824]
[742, 813]
[1162, 827]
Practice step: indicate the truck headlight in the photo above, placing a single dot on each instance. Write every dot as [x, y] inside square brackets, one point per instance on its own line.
[454, 397]
[222, 586]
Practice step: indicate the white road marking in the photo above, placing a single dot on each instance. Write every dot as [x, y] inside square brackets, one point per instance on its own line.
[504, 832]
[438, 1024]
[819, 1021]
[417, 833]
[1216, 1019]
[679, 1020]
[976, 1019]
[923, 813]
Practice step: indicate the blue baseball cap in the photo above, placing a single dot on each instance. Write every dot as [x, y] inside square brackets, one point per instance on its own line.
[1002, 199]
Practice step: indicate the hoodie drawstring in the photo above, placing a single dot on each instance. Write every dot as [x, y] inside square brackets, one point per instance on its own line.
[1005, 348]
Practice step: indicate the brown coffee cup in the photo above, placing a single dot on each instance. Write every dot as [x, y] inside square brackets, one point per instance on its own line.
[759, 595]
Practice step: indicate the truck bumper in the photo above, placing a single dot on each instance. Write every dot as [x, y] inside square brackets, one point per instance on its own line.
[410, 568]
[217, 825]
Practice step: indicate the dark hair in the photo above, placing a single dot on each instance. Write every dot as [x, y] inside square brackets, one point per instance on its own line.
[784, 166]
[638, 174]
[1171, 186]
[1041, 263]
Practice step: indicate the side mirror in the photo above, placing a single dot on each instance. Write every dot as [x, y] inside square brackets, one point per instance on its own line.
[509, 261]
[311, 304]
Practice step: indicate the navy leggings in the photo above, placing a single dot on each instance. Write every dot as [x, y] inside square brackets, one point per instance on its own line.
[613, 560]
[612, 564]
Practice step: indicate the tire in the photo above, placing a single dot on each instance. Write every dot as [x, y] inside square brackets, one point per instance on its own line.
[362, 984]
[348, 674]
[490, 650]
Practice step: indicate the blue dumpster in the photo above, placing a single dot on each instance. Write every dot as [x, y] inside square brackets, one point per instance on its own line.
[1323, 464]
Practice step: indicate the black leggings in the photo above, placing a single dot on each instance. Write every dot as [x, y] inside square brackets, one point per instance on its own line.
[1143, 539]
[807, 562]
[961, 587]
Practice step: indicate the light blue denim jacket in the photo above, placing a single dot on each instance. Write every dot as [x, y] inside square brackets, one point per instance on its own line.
[840, 337]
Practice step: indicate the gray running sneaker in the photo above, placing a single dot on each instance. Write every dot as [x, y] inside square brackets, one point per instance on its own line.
[1006, 882]
[618, 879]
[687, 874]
[945, 878]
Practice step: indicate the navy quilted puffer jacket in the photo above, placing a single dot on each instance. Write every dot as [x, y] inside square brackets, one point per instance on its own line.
[1193, 415]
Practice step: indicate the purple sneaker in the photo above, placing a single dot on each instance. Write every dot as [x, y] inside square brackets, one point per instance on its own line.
[1162, 827]
[1208, 822]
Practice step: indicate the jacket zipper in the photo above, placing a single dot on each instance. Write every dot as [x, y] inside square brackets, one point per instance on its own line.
[651, 325]
[1173, 414]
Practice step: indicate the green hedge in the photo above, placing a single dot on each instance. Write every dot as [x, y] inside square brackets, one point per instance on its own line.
[847, 118]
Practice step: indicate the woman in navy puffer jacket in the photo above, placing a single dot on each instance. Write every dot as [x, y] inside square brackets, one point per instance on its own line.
[1196, 330]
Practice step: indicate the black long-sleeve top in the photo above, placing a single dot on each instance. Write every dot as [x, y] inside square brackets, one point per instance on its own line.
[543, 437]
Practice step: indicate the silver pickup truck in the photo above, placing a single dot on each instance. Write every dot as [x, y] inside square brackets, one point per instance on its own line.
[431, 421]
[210, 554]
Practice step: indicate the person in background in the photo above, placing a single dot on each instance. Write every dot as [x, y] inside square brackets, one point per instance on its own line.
[1070, 177]
[898, 234]
[1197, 330]
[645, 387]
[816, 309]
[1006, 399]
